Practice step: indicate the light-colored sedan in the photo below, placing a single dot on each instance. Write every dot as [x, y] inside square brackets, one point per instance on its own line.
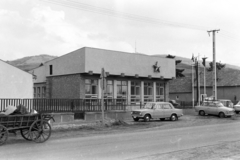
[237, 107]
[214, 108]
[157, 110]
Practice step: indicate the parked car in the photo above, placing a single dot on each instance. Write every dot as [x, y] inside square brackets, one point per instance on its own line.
[237, 107]
[157, 110]
[214, 108]
[226, 102]
[174, 103]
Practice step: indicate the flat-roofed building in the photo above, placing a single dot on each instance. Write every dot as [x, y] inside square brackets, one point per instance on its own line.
[131, 76]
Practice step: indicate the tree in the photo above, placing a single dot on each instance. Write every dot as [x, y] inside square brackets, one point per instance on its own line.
[178, 71]
[219, 66]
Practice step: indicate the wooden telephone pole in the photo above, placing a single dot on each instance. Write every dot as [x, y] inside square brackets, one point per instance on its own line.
[103, 87]
[214, 65]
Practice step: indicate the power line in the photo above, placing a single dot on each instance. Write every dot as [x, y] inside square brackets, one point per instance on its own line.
[105, 11]
[109, 12]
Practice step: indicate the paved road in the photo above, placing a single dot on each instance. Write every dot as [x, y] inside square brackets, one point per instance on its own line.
[134, 145]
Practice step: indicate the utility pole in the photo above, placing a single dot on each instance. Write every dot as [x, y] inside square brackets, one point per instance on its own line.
[214, 65]
[199, 84]
[103, 87]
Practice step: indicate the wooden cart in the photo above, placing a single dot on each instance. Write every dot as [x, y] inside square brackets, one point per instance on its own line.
[33, 127]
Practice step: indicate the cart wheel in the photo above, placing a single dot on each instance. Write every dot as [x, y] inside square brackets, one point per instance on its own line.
[3, 134]
[40, 132]
[25, 134]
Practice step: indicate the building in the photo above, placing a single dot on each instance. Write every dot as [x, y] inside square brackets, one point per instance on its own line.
[15, 83]
[228, 86]
[130, 76]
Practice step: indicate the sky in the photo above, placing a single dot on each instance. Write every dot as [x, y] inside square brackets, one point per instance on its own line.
[176, 27]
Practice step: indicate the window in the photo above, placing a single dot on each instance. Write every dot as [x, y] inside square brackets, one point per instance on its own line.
[159, 92]
[148, 88]
[34, 92]
[38, 92]
[135, 92]
[50, 69]
[148, 91]
[109, 90]
[158, 106]
[166, 106]
[91, 88]
[121, 89]
[43, 92]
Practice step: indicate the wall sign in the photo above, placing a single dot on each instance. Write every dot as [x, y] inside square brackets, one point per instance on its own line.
[156, 68]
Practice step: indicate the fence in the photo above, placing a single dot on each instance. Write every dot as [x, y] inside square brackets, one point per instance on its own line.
[65, 105]
[78, 105]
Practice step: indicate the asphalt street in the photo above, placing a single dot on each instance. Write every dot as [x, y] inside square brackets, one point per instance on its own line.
[139, 144]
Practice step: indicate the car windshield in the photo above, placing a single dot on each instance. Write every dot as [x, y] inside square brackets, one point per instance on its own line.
[148, 105]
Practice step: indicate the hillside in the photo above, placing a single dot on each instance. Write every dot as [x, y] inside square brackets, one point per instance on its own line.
[31, 62]
[187, 62]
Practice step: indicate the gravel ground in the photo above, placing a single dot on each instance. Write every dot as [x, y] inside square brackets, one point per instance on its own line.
[113, 126]
[225, 151]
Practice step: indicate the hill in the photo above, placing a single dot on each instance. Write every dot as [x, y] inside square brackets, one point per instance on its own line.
[187, 62]
[31, 62]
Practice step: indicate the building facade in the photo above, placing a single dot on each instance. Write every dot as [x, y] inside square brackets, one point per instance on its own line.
[15, 83]
[130, 76]
[228, 86]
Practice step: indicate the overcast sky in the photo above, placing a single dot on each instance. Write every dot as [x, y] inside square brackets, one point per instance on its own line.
[176, 27]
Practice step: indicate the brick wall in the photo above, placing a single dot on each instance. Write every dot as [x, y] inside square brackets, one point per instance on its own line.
[67, 86]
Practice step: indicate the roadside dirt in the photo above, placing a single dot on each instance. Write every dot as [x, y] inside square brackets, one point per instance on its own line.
[224, 151]
[113, 126]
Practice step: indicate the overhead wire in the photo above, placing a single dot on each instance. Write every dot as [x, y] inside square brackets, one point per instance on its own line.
[105, 11]
[109, 12]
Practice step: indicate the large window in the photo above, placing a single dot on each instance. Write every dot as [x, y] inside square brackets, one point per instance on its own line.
[34, 92]
[121, 89]
[148, 91]
[38, 92]
[109, 89]
[159, 92]
[135, 92]
[91, 86]
[43, 92]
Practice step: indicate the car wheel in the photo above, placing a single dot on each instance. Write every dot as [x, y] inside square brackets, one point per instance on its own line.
[201, 113]
[174, 117]
[135, 119]
[221, 115]
[162, 119]
[147, 118]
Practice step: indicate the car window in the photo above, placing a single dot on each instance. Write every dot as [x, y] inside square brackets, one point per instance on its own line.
[211, 104]
[158, 106]
[205, 103]
[166, 106]
[148, 105]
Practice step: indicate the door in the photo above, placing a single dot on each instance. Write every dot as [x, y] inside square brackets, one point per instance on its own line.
[212, 108]
[167, 110]
[158, 111]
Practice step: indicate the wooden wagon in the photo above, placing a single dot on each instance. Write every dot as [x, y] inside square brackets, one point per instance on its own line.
[33, 127]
